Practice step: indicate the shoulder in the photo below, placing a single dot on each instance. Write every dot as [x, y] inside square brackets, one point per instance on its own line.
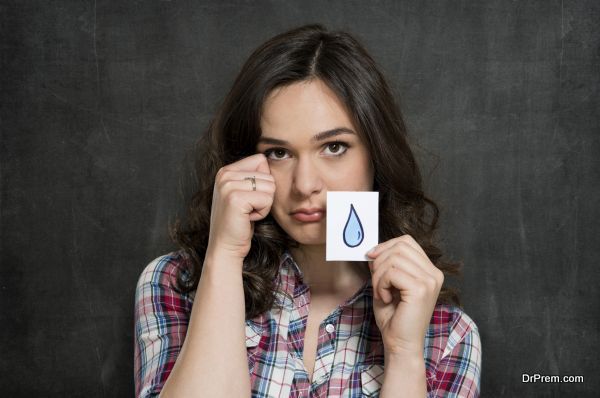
[161, 318]
[157, 291]
[165, 269]
[160, 276]
[450, 326]
[450, 318]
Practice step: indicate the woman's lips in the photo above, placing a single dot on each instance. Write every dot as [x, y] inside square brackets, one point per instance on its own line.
[309, 217]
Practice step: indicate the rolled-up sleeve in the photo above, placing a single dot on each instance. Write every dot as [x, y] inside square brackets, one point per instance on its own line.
[458, 372]
[161, 320]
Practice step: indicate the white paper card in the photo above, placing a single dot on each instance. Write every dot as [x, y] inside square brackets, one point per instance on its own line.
[352, 224]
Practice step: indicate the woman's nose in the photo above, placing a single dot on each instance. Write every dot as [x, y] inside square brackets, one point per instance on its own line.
[306, 179]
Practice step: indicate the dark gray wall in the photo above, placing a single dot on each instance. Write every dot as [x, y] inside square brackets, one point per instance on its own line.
[101, 100]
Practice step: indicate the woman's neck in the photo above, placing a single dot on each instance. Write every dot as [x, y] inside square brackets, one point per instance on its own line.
[328, 277]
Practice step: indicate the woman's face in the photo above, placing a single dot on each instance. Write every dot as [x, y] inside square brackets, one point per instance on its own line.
[312, 147]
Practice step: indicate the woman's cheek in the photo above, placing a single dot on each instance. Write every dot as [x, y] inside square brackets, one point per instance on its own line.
[279, 201]
[342, 176]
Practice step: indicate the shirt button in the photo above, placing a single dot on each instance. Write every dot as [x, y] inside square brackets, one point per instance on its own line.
[330, 328]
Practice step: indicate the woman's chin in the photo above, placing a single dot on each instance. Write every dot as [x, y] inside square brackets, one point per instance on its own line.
[305, 233]
[309, 240]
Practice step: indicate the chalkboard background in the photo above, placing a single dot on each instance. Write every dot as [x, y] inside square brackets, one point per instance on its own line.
[102, 100]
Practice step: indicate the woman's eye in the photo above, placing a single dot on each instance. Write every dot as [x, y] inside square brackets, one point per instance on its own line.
[336, 148]
[331, 149]
[276, 153]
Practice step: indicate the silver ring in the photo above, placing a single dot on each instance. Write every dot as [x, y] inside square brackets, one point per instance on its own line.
[253, 180]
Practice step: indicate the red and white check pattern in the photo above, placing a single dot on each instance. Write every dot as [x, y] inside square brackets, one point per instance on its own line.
[349, 360]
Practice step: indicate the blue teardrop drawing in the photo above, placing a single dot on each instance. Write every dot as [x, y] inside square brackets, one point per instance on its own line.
[353, 231]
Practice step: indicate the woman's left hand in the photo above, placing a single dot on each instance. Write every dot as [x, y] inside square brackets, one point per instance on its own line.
[406, 285]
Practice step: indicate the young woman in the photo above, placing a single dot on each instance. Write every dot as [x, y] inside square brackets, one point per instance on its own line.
[248, 306]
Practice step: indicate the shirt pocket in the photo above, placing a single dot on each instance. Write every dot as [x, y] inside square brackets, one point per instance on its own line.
[371, 378]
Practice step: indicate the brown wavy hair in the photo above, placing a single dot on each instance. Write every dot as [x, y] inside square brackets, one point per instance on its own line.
[339, 60]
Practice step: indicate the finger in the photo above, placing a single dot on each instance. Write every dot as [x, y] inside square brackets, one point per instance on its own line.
[414, 244]
[410, 288]
[246, 185]
[228, 174]
[418, 257]
[393, 260]
[387, 244]
[378, 249]
[256, 162]
[254, 203]
[395, 279]
[410, 260]
[263, 164]
[397, 260]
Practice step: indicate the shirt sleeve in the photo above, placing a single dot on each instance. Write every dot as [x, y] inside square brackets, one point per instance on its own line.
[161, 320]
[458, 373]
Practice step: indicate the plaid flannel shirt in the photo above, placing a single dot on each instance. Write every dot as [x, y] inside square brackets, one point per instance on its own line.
[349, 360]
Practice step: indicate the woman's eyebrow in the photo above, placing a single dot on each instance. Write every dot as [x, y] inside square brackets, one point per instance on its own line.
[317, 137]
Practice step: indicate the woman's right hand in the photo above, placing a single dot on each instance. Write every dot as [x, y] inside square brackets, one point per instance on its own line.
[235, 206]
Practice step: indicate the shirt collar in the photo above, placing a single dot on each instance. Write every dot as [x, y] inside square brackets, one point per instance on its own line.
[289, 267]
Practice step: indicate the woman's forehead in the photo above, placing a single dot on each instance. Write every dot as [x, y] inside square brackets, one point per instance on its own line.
[303, 108]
